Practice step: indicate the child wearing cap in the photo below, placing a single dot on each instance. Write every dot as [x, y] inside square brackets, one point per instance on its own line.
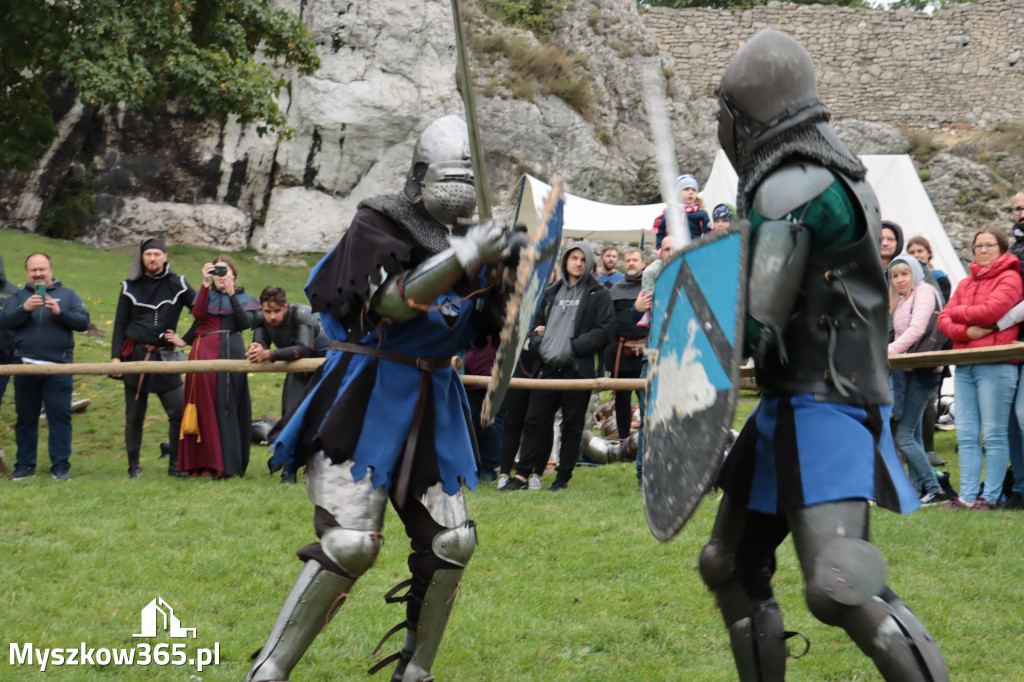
[722, 215]
[693, 208]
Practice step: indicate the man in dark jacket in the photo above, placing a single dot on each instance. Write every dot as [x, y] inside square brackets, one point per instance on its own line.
[145, 329]
[43, 317]
[624, 355]
[574, 324]
[7, 288]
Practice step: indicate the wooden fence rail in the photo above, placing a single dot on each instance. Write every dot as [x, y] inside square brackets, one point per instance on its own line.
[973, 356]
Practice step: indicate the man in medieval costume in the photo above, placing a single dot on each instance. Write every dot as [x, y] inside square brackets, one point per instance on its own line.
[387, 416]
[145, 329]
[817, 450]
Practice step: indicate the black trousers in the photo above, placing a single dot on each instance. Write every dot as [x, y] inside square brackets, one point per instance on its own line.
[540, 420]
[135, 416]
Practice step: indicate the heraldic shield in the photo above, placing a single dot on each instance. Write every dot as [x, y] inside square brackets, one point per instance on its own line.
[694, 350]
[536, 263]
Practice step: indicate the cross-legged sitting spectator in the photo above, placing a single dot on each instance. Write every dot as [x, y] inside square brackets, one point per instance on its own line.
[574, 325]
[984, 393]
[43, 316]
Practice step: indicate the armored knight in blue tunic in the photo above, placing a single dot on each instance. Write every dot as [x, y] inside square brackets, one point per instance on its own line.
[818, 447]
[387, 416]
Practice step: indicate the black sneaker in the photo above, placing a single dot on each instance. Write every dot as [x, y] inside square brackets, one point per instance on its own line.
[514, 484]
[1015, 503]
[558, 485]
[20, 474]
[62, 476]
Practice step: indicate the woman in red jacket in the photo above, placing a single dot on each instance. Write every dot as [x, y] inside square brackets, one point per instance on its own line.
[983, 393]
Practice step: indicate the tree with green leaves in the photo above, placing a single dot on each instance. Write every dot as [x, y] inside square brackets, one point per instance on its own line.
[140, 53]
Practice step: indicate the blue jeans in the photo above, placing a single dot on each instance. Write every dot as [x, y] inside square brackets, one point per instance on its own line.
[1017, 439]
[911, 393]
[31, 393]
[984, 396]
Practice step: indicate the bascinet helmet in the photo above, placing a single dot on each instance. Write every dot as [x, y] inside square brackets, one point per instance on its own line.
[767, 89]
[441, 175]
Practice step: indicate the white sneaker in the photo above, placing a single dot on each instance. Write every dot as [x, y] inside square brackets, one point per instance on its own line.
[533, 483]
[502, 481]
[928, 499]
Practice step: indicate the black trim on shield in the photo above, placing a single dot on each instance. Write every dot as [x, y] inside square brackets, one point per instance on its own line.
[703, 312]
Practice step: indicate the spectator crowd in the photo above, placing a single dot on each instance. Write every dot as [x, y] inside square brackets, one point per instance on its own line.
[593, 322]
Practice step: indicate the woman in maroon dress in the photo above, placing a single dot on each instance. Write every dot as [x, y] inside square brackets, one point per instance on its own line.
[221, 311]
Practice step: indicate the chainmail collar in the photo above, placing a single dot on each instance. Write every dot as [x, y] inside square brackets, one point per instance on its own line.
[413, 219]
[805, 141]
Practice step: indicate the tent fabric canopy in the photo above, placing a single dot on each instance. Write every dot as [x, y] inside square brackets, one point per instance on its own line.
[901, 197]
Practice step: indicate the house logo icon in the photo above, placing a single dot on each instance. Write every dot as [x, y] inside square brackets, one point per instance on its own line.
[158, 615]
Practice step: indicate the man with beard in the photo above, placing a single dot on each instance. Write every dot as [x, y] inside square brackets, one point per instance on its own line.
[43, 317]
[574, 325]
[624, 355]
[817, 449]
[145, 329]
[407, 287]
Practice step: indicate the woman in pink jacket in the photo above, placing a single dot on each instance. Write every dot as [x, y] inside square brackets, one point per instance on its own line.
[983, 393]
[917, 301]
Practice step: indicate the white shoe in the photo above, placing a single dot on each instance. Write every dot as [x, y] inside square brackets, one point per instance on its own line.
[502, 481]
[533, 483]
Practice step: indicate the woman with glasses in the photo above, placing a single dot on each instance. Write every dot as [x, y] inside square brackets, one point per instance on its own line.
[984, 394]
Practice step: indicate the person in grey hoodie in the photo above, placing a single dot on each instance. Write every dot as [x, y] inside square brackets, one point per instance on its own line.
[575, 323]
[43, 317]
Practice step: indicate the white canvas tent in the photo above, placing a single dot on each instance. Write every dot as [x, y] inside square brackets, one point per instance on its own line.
[901, 197]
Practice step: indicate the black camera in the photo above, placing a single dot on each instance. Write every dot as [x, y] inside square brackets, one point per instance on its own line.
[220, 270]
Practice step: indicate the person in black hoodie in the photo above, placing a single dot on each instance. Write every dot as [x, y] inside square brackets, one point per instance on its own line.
[575, 323]
[43, 316]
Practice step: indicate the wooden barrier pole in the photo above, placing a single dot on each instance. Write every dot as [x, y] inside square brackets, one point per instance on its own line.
[971, 356]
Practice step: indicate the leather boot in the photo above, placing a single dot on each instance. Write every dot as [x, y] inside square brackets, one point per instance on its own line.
[134, 470]
[172, 461]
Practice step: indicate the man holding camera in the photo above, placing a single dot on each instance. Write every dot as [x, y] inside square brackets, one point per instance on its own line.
[145, 329]
[43, 317]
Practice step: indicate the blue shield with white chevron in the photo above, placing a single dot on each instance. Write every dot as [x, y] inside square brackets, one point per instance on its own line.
[694, 354]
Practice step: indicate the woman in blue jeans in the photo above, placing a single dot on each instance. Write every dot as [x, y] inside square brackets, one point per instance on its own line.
[916, 301]
[984, 393]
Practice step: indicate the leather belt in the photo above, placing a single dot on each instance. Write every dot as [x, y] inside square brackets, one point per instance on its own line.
[426, 366]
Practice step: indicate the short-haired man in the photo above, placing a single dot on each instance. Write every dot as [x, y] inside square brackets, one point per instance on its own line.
[145, 329]
[575, 323]
[43, 316]
[606, 272]
[296, 332]
[624, 355]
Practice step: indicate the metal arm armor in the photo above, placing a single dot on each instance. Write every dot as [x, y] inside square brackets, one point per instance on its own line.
[482, 245]
[778, 258]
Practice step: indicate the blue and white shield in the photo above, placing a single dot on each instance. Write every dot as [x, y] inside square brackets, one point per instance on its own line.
[695, 350]
[536, 263]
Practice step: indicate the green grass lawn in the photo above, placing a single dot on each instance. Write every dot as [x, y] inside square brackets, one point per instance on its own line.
[568, 586]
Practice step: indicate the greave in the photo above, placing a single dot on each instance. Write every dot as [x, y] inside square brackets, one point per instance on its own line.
[759, 645]
[314, 599]
[898, 643]
[425, 640]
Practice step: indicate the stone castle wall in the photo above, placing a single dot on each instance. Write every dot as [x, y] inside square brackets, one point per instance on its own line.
[960, 67]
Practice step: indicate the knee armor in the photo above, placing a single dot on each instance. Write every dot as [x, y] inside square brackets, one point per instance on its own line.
[355, 551]
[847, 572]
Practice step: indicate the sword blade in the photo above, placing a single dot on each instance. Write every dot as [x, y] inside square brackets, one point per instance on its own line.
[665, 154]
[483, 197]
